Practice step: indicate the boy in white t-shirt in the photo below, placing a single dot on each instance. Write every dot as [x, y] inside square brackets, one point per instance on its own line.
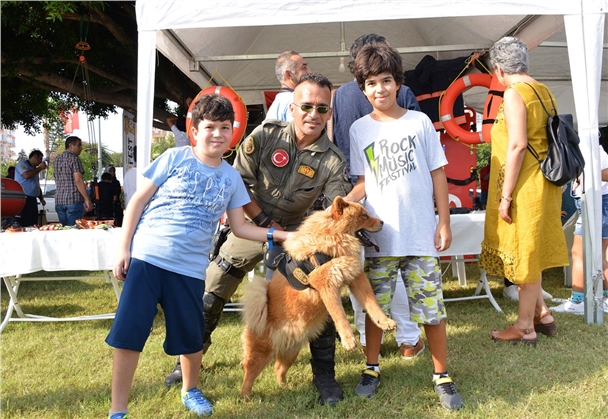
[399, 160]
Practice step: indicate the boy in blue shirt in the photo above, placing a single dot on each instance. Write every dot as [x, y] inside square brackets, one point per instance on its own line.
[162, 254]
[399, 161]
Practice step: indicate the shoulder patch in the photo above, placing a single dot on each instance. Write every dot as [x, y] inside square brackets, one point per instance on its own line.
[249, 145]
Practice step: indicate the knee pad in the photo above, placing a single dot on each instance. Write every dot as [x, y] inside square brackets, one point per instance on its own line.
[212, 304]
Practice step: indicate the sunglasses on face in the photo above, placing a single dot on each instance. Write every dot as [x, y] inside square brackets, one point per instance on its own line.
[308, 108]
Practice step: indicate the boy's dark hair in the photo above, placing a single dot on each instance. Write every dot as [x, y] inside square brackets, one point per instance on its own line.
[36, 153]
[106, 176]
[72, 139]
[378, 58]
[212, 108]
[180, 123]
[316, 78]
[359, 43]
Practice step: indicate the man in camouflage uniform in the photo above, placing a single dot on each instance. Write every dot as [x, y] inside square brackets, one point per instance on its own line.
[286, 166]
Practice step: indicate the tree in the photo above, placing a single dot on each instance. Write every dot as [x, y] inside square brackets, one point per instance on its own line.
[160, 145]
[42, 74]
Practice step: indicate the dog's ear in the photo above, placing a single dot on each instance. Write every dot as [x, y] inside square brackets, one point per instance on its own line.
[337, 208]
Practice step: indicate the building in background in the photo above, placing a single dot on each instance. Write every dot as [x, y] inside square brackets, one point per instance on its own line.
[7, 143]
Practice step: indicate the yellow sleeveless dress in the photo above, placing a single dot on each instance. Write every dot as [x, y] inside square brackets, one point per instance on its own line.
[534, 241]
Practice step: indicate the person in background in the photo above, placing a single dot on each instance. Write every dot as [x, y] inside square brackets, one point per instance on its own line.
[289, 68]
[118, 211]
[10, 172]
[107, 196]
[576, 302]
[351, 104]
[178, 128]
[523, 234]
[71, 198]
[26, 173]
[484, 180]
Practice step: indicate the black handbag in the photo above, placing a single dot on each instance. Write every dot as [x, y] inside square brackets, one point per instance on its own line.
[564, 161]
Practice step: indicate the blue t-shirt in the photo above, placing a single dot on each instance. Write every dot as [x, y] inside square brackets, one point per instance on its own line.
[175, 229]
[30, 186]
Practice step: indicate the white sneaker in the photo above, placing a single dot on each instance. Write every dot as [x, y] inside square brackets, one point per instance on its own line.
[511, 293]
[570, 307]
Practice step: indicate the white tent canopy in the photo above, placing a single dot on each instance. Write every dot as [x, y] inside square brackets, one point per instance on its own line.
[239, 40]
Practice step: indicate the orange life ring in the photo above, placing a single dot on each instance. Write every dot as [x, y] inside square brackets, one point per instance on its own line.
[490, 109]
[240, 112]
[446, 107]
[13, 198]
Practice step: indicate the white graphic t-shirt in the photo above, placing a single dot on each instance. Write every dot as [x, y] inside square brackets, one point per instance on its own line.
[396, 159]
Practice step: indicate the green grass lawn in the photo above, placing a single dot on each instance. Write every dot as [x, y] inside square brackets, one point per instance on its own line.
[63, 370]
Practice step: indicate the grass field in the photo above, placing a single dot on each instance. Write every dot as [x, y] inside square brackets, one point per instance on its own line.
[63, 370]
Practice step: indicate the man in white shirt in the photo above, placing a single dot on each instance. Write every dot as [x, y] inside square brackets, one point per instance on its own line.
[290, 66]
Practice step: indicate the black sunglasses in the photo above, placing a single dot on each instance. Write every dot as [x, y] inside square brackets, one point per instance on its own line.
[308, 108]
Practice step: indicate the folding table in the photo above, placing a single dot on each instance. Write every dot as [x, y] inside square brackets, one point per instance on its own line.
[58, 250]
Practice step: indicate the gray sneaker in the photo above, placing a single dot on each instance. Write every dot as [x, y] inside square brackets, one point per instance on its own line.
[448, 395]
[368, 383]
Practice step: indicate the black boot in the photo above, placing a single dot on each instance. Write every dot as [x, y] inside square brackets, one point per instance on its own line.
[323, 350]
[175, 376]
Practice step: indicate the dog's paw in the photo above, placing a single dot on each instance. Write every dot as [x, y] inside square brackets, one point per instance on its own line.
[349, 342]
[387, 324]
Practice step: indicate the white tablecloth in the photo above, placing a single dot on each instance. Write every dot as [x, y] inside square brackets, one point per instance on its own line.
[62, 250]
[467, 234]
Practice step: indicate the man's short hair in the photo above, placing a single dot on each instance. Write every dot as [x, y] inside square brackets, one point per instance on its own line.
[378, 58]
[106, 176]
[36, 153]
[71, 140]
[180, 123]
[284, 62]
[212, 108]
[315, 78]
[359, 43]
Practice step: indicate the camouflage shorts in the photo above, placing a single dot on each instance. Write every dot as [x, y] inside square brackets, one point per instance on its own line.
[422, 278]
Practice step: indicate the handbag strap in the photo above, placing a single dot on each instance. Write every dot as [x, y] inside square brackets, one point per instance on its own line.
[528, 146]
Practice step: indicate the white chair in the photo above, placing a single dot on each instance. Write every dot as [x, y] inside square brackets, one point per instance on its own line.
[568, 229]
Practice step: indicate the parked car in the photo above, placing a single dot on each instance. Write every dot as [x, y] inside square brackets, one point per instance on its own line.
[48, 192]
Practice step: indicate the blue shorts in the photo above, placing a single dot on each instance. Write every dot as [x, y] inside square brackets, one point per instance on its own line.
[578, 229]
[422, 278]
[181, 298]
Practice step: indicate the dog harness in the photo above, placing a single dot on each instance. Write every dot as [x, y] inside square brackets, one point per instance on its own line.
[297, 273]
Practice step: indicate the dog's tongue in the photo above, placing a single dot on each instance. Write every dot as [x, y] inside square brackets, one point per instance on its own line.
[366, 240]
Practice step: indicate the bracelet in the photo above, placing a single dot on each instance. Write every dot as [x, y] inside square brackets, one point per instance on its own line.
[260, 218]
[506, 199]
[270, 237]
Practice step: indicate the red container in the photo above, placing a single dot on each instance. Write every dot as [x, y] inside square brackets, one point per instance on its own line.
[12, 198]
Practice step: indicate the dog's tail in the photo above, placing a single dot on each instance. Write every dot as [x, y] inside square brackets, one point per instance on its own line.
[255, 305]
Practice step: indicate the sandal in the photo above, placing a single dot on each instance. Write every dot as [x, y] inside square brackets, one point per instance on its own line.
[547, 329]
[515, 335]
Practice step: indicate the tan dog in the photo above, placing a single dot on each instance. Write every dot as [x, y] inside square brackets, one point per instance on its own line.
[279, 319]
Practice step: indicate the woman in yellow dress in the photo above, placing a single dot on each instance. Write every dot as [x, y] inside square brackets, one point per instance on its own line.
[523, 232]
